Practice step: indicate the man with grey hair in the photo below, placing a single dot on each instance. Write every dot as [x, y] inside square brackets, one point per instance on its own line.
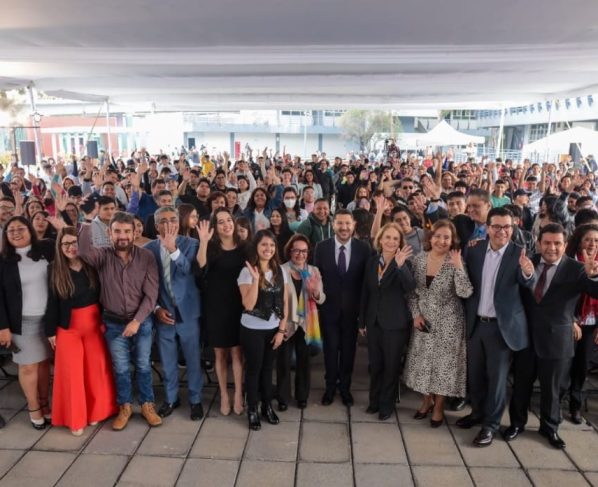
[178, 310]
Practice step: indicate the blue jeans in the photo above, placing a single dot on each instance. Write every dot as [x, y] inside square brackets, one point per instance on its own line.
[126, 349]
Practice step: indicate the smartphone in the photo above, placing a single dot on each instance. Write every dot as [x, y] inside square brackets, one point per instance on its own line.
[90, 204]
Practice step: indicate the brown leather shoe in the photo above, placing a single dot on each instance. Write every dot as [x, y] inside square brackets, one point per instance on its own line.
[148, 411]
[122, 419]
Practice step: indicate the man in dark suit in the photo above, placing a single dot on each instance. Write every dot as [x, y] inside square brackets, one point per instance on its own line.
[341, 261]
[496, 321]
[550, 303]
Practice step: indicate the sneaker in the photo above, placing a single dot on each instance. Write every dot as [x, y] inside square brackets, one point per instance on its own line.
[120, 422]
[148, 411]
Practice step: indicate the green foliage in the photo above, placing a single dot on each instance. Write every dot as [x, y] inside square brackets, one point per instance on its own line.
[361, 126]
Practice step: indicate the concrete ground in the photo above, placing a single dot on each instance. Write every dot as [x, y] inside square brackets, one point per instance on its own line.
[327, 446]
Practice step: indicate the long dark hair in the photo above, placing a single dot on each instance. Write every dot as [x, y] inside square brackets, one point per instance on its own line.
[62, 282]
[50, 231]
[215, 244]
[37, 251]
[185, 210]
[296, 208]
[251, 202]
[273, 264]
[574, 244]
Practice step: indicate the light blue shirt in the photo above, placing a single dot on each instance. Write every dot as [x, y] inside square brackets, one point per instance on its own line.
[492, 262]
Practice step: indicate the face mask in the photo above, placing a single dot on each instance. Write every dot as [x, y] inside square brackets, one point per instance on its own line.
[290, 203]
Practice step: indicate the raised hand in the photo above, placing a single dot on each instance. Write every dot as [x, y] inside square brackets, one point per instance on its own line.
[380, 201]
[135, 181]
[526, 264]
[456, 259]
[60, 200]
[253, 271]
[57, 223]
[204, 231]
[402, 255]
[168, 240]
[590, 264]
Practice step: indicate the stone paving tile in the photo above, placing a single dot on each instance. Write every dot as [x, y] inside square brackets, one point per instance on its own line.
[8, 458]
[179, 421]
[377, 443]
[557, 478]
[123, 442]
[272, 474]
[151, 471]
[434, 476]
[221, 439]
[534, 451]
[358, 414]
[162, 442]
[410, 402]
[430, 446]
[582, 447]
[12, 397]
[274, 442]
[325, 474]
[592, 478]
[99, 470]
[382, 475]
[61, 439]
[335, 412]
[18, 434]
[199, 472]
[292, 414]
[325, 442]
[499, 477]
[496, 455]
[38, 468]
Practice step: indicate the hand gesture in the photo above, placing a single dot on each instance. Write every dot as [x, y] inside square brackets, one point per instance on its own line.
[186, 174]
[419, 322]
[253, 271]
[168, 240]
[143, 167]
[131, 329]
[91, 215]
[135, 181]
[57, 223]
[277, 340]
[576, 332]
[313, 284]
[164, 316]
[590, 264]
[60, 201]
[456, 259]
[204, 230]
[97, 180]
[380, 201]
[402, 255]
[52, 341]
[526, 264]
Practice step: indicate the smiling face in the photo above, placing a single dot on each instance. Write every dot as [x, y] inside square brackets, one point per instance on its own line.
[39, 223]
[299, 253]
[18, 234]
[390, 241]
[552, 246]
[589, 241]
[500, 230]
[441, 240]
[275, 219]
[122, 235]
[225, 226]
[259, 198]
[404, 221]
[69, 246]
[266, 248]
[343, 226]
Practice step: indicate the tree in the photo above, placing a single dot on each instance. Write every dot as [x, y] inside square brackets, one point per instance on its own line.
[9, 105]
[362, 126]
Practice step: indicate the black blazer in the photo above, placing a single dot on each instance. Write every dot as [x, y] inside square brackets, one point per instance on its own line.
[343, 294]
[11, 293]
[510, 312]
[551, 321]
[386, 302]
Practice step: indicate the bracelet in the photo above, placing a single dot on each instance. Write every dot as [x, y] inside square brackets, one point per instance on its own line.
[281, 331]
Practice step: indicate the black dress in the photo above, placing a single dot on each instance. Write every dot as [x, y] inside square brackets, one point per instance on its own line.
[221, 298]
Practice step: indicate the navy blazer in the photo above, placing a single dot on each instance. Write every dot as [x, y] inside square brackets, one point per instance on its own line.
[551, 320]
[510, 312]
[182, 279]
[343, 293]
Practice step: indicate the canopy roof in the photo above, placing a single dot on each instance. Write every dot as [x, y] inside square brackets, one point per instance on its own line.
[558, 142]
[444, 134]
[189, 55]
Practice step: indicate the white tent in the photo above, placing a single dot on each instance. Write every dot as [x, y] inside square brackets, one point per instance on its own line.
[444, 134]
[558, 143]
[190, 55]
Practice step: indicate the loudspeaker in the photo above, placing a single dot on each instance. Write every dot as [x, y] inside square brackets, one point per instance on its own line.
[575, 152]
[92, 149]
[27, 148]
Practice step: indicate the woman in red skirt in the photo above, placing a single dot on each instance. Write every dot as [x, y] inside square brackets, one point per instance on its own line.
[83, 385]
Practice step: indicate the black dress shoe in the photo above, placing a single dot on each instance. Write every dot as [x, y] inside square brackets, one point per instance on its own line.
[269, 414]
[254, 419]
[436, 423]
[327, 398]
[372, 409]
[302, 404]
[467, 422]
[576, 417]
[347, 398]
[553, 438]
[196, 411]
[484, 437]
[419, 415]
[512, 432]
[384, 416]
[167, 408]
[282, 405]
[457, 404]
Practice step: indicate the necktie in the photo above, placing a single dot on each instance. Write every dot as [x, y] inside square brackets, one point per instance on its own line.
[539, 289]
[342, 261]
[166, 271]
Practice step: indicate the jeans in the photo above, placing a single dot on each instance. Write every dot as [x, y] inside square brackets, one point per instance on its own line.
[126, 349]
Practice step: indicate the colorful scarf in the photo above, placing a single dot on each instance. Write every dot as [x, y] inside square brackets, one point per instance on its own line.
[308, 310]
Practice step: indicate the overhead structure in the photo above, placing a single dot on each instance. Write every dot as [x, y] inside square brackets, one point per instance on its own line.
[559, 143]
[444, 134]
[191, 55]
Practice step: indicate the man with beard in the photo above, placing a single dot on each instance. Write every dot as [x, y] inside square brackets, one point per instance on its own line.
[129, 291]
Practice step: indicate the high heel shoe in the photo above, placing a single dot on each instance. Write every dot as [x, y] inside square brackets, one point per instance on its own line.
[224, 408]
[419, 415]
[44, 405]
[37, 423]
[269, 414]
[238, 410]
[436, 423]
[254, 419]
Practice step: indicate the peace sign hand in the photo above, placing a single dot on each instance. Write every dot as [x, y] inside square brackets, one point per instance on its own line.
[526, 264]
[590, 264]
[402, 255]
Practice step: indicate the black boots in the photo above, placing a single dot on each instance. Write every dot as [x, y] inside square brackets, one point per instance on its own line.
[254, 419]
[269, 414]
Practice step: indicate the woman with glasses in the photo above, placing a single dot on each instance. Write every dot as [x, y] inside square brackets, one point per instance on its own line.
[23, 296]
[83, 392]
[303, 324]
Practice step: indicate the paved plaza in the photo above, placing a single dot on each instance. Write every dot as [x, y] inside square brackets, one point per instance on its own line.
[321, 446]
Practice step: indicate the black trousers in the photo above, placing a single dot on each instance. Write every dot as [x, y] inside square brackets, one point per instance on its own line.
[283, 368]
[259, 357]
[385, 348]
[552, 373]
[339, 340]
[488, 361]
[579, 367]
[525, 371]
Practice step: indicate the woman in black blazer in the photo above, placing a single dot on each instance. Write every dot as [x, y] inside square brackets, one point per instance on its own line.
[385, 315]
[23, 296]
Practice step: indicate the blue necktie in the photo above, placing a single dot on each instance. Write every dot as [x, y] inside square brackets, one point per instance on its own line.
[342, 261]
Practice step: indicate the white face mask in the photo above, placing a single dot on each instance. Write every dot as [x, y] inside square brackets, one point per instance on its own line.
[290, 203]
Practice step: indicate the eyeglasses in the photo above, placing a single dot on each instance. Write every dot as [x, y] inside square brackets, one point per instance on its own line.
[14, 231]
[299, 251]
[498, 228]
[66, 245]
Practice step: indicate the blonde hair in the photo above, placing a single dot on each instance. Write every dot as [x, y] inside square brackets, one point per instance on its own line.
[383, 230]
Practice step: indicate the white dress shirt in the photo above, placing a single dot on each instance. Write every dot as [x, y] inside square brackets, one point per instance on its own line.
[492, 262]
[337, 251]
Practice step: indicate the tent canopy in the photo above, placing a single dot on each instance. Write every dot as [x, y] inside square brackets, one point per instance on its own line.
[189, 55]
[558, 142]
[444, 134]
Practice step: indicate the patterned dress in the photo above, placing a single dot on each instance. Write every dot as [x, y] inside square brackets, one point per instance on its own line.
[437, 361]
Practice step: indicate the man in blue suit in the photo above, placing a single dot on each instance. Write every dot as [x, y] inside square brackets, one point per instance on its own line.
[178, 310]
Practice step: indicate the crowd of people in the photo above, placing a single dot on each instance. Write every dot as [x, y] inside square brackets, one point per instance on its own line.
[457, 275]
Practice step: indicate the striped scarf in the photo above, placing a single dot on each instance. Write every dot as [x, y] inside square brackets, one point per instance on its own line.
[308, 310]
